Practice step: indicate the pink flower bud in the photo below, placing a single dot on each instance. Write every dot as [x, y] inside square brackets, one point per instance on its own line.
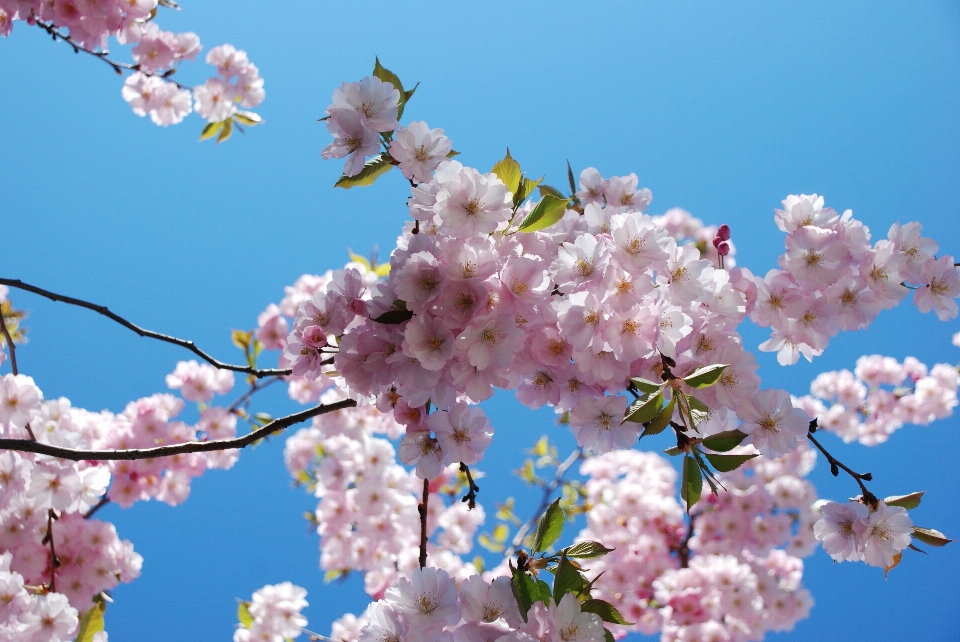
[724, 232]
[717, 241]
[723, 248]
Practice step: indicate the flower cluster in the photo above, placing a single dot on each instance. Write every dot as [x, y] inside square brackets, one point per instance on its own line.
[157, 55]
[880, 396]
[34, 618]
[832, 279]
[740, 580]
[273, 615]
[853, 532]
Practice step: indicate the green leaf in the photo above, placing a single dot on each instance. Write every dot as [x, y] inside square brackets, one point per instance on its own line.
[644, 409]
[552, 191]
[243, 614]
[646, 386]
[567, 579]
[91, 623]
[608, 636]
[547, 212]
[388, 76]
[726, 463]
[931, 536]
[705, 377]
[544, 591]
[724, 441]
[587, 550]
[692, 482]
[661, 421]
[573, 183]
[225, 132]
[525, 589]
[372, 170]
[508, 171]
[211, 130]
[248, 118]
[393, 317]
[549, 528]
[698, 410]
[452, 153]
[526, 188]
[407, 95]
[673, 452]
[607, 612]
[905, 501]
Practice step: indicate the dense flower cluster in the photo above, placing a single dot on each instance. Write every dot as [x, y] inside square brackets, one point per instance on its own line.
[854, 532]
[880, 396]
[832, 279]
[274, 614]
[157, 54]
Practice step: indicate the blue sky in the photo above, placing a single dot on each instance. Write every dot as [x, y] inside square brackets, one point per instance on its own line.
[722, 109]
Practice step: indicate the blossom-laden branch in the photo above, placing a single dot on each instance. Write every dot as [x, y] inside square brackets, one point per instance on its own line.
[836, 466]
[118, 67]
[143, 332]
[25, 445]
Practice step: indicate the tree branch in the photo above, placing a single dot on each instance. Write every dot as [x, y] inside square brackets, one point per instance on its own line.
[118, 67]
[143, 332]
[548, 491]
[836, 465]
[422, 509]
[471, 496]
[25, 445]
[10, 346]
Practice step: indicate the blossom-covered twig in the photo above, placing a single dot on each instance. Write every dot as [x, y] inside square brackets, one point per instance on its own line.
[143, 332]
[25, 445]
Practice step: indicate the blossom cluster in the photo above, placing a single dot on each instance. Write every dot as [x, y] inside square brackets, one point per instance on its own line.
[367, 514]
[273, 615]
[34, 618]
[853, 532]
[156, 53]
[833, 279]
[880, 396]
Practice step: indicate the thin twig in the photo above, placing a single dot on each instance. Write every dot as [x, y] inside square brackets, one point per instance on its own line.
[422, 509]
[835, 464]
[143, 332]
[683, 551]
[54, 560]
[10, 346]
[24, 445]
[118, 67]
[471, 496]
[548, 491]
[103, 502]
[254, 387]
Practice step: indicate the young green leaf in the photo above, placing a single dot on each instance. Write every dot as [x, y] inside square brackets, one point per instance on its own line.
[573, 184]
[692, 482]
[587, 550]
[225, 132]
[608, 636]
[705, 377]
[726, 463]
[607, 612]
[248, 118]
[645, 386]
[372, 170]
[931, 536]
[698, 410]
[552, 191]
[243, 614]
[525, 589]
[547, 212]
[393, 317]
[724, 441]
[661, 421]
[388, 76]
[526, 189]
[544, 591]
[549, 528]
[211, 130]
[673, 452]
[508, 171]
[644, 409]
[905, 501]
[567, 579]
[91, 623]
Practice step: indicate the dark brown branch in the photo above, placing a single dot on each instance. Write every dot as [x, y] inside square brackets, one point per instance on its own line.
[836, 466]
[24, 445]
[471, 496]
[103, 502]
[118, 67]
[54, 560]
[683, 551]
[422, 509]
[10, 346]
[143, 332]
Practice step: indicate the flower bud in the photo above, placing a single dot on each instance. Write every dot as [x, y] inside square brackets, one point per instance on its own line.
[723, 248]
[724, 232]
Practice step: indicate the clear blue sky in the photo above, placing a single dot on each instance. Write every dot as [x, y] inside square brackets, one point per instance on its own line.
[721, 108]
